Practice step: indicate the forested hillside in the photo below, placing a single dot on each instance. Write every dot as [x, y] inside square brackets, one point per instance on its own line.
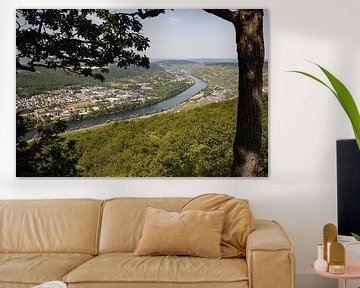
[196, 142]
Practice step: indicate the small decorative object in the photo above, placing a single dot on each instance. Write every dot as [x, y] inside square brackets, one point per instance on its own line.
[320, 264]
[337, 258]
[336, 269]
[328, 251]
[330, 236]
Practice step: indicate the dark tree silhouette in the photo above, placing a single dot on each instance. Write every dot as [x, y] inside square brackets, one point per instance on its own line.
[47, 156]
[80, 40]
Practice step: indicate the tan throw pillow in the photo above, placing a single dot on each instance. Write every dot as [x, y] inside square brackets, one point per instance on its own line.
[239, 220]
[196, 233]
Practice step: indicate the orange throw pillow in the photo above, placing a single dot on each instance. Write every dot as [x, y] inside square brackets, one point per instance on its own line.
[196, 233]
[238, 224]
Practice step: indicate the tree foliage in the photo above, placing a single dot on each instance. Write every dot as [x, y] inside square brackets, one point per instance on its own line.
[80, 40]
[48, 156]
[189, 143]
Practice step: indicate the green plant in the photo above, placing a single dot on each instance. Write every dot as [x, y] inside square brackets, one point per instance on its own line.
[356, 236]
[344, 97]
[346, 100]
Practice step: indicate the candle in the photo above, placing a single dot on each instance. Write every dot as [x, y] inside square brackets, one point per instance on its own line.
[336, 269]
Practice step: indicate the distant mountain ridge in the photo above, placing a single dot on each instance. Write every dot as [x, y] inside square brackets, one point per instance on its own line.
[192, 61]
[173, 62]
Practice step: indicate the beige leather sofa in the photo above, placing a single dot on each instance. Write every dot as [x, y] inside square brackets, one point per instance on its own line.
[89, 243]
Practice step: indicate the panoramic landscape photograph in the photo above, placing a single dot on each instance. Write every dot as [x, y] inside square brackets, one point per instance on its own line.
[142, 93]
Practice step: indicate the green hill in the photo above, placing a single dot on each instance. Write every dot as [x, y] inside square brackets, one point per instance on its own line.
[218, 75]
[29, 83]
[195, 142]
[43, 80]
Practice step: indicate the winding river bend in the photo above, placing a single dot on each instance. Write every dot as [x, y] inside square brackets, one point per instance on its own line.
[146, 110]
[153, 108]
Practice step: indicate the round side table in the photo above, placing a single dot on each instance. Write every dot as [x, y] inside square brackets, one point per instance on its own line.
[352, 269]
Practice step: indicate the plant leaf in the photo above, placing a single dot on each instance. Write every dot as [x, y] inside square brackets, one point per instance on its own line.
[344, 97]
[357, 237]
[316, 79]
[357, 137]
[347, 102]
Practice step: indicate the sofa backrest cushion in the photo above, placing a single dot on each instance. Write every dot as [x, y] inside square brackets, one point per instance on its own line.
[64, 226]
[123, 220]
[238, 224]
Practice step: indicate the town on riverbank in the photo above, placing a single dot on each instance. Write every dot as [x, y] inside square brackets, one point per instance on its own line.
[134, 92]
[75, 100]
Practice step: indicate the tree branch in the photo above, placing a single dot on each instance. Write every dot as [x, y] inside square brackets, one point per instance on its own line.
[225, 14]
[143, 13]
[41, 22]
[19, 66]
[150, 13]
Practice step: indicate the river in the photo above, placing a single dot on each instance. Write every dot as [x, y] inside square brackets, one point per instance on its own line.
[146, 110]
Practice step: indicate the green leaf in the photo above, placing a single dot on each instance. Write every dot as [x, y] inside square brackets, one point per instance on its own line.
[347, 102]
[316, 79]
[357, 137]
[344, 97]
[356, 236]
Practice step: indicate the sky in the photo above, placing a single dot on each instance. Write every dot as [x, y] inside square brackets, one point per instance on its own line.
[193, 33]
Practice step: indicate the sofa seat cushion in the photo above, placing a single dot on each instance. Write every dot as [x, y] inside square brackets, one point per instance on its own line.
[36, 268]
[127, 268]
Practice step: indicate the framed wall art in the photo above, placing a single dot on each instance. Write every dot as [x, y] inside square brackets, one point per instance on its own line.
[142, 93]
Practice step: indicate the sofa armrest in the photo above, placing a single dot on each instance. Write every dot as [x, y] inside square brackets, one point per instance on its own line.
[269, 256]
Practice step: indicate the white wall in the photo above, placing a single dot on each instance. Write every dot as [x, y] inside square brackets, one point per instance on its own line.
[305, 121]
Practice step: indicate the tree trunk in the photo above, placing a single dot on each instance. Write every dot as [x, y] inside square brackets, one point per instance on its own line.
[250, 50]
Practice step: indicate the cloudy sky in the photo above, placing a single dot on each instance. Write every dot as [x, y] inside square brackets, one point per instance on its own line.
[193, 33]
